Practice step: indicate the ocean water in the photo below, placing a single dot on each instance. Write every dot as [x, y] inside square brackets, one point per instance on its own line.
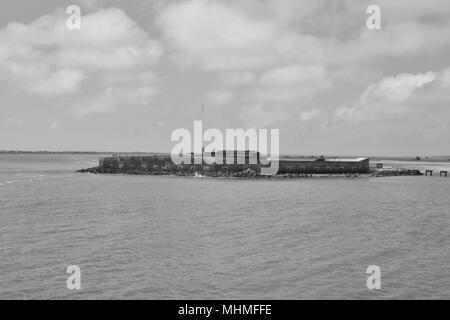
[144, 237]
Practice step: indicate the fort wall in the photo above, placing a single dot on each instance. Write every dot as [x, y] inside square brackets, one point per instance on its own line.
[234, 162]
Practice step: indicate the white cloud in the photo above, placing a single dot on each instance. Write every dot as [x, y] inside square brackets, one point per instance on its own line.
[396, 89]
[59, 82]
[225, 36]
[218, 36]
[45, 58]
[282, 93]
[387, 98]
[282, 56]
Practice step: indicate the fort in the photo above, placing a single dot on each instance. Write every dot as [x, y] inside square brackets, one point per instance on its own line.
[228, 163]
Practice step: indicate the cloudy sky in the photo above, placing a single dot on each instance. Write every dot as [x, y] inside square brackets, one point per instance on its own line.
[137, 70]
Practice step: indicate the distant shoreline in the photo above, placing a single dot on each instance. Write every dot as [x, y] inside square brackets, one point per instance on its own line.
[412, 159]
[372, 158]
[71, 152]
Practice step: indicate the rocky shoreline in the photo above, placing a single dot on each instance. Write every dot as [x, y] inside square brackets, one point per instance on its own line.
[396, 172]
[159, 172]
[247, 173]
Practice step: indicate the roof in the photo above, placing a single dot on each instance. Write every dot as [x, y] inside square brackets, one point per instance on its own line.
[348, 160]
[319, 160]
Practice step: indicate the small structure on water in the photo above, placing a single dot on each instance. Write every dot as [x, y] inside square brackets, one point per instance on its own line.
[231, 162]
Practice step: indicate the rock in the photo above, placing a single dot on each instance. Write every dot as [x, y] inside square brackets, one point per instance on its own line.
[245, 173]
[94, 170]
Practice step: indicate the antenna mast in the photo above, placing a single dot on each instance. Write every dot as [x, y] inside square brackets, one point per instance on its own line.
[203, 112]
[203, 126]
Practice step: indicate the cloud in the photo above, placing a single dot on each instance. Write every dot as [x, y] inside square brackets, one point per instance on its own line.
[231, 35]
[224, 36]
[59, 82]
[287, 56]
[218, 37]
[283, 93]
[45, 58]
[386, 98]
[396, 89]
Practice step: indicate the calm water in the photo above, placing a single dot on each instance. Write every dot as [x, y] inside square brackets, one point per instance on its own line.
[193, 238]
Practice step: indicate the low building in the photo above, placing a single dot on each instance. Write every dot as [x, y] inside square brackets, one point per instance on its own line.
[323, 166]
[234, 161]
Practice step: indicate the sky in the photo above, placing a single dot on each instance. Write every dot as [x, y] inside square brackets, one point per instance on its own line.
[138, 70]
